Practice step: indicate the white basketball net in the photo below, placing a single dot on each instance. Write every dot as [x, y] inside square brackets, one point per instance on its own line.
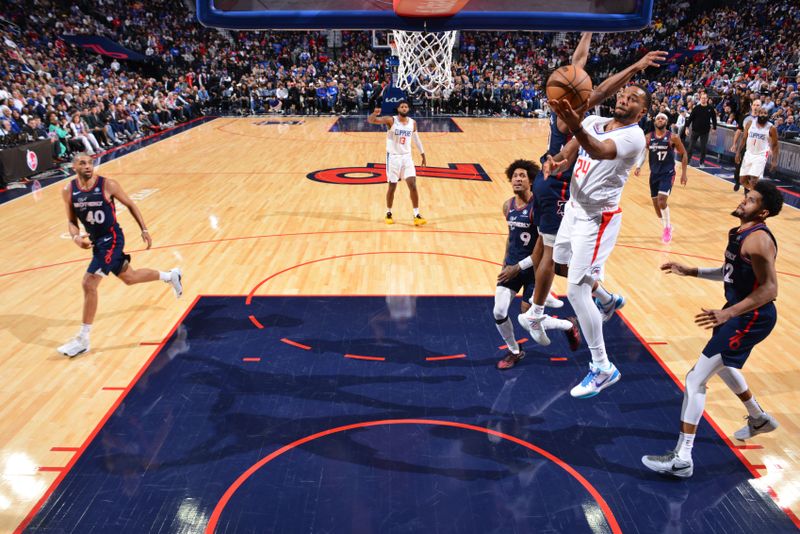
[425, 60]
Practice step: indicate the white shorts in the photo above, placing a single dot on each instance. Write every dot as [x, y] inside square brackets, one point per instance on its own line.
[753, 165]
[548, 240]
[398, 167]
[585, 241]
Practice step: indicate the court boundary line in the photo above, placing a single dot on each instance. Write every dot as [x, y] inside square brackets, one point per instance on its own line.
[86, 442]
[736, 451]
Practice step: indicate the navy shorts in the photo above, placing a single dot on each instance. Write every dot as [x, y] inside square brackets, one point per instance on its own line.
[108, 256]
[661, 183]
[549, 197]
[735, 339]
[525, 279]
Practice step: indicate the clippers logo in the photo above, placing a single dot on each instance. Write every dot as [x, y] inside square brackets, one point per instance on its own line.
[375, 173]
[100, 50]
[32, 160]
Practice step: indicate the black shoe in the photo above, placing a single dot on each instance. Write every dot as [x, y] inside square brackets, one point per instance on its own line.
[736, 186]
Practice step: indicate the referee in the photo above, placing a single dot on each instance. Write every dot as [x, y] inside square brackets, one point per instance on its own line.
[702, 119]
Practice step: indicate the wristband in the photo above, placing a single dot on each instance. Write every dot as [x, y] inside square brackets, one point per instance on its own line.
[144, 231]
[526, 263]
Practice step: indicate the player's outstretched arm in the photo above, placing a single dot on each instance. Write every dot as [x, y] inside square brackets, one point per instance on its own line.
[373, 118]
[561, 161]
[581, 53]
[774, 147]
[595, 148]
[614, 83]
[115, 190]
[709, 273]
[418, 142]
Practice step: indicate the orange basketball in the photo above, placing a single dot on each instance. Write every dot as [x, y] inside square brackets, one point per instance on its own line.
[571, 83]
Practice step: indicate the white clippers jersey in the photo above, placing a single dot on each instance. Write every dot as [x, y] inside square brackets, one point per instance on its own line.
[597, 184]
[398, 138]
[758, 139]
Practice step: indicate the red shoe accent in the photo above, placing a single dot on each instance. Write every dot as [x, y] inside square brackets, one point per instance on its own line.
[573, 334]
[510, 360]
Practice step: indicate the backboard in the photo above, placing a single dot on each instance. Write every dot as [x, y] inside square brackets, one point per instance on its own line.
[573, 15]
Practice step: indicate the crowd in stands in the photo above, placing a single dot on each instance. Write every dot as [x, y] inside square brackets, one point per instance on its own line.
[82, 100]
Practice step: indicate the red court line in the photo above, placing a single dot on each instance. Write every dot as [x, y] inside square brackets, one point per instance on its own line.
[63, 449]
[154, 343]
[251, 359]
[519, 342]
[255, 322]
[439, 358]
[558, 359]
[295, 344]
[220, 506]
[651, 343]
[736, 451]
[88, 440]
[249, 298]
[759, 466]
[748, 447]
[53, 469]
[416, 231]
[113, 388]
[371, 358]
[788, 191]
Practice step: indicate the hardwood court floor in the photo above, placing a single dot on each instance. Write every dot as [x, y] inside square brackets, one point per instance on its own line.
[229, 202]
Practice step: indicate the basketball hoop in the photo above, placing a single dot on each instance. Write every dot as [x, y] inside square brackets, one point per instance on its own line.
[425, 60]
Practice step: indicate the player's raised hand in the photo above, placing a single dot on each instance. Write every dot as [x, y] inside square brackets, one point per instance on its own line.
[552, 166]
[676, 268]
[652, 59]
[712, 318]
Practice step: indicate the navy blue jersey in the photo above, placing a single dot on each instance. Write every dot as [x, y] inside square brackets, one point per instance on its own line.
[521, 232]
[97, 214]
[556, 143]
[662, 155]
[739, 278]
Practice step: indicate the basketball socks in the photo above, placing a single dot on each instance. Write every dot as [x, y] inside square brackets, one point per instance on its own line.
[506, 329]
[416, 212]
[665, 217]
[602, 295]
[684, 447]
[753, 408]
[85, 329]
[164, 276]
[537, 311]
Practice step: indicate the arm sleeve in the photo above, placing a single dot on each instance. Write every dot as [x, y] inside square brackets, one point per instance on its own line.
[417, 142]
[710, 273]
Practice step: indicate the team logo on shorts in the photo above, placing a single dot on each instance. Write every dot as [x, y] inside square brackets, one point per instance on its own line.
[560, 208]
[375, 173]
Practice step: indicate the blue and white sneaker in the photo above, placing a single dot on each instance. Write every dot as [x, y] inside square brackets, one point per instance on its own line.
[617, 302]
[596, 381]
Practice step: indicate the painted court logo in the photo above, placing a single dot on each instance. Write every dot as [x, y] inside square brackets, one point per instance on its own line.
[375, 173]
[32, 160]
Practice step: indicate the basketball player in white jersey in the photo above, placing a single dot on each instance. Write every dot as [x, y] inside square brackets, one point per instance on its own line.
[603, 151]
[399, 163]
[761, 142]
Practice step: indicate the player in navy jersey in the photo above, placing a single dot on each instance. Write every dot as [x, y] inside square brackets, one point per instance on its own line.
[89, 198]
[662, 145]
[552, 192]
[518, 270]
[745, 320]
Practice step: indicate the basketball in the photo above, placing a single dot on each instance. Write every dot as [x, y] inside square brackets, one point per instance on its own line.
[572, 83]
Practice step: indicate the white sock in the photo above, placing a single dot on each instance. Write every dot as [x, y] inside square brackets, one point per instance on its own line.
[680, 442]
[164, 276]
[685, 450]
[506, 329]
[605, 297]
[753, 408]
[536, 311]
[85, 329]
[416, 212]
[665, 216]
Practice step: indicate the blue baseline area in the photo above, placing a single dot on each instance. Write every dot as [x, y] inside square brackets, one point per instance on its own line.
[61, 172]
[424, 124]
[200, 416]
